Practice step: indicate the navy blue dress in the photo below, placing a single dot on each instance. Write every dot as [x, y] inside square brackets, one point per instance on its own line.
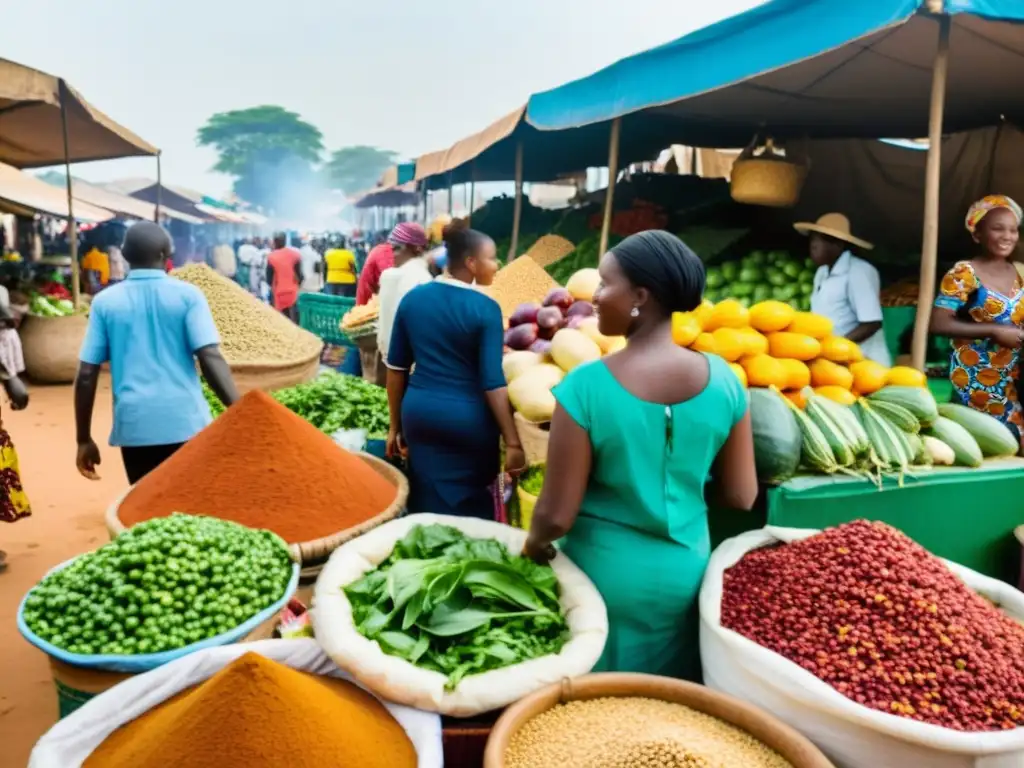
[454, 336]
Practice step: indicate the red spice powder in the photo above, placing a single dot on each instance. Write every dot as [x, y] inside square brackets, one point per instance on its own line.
[262, 466]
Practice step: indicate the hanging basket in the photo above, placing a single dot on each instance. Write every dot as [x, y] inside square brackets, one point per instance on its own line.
[52, 346]
[765, 176]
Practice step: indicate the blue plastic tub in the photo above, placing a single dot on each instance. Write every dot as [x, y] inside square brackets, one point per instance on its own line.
[377, 448]
[147, 661]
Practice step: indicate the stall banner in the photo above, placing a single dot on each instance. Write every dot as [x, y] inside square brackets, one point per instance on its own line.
[397, 680]
[852, 736]
[73, 739]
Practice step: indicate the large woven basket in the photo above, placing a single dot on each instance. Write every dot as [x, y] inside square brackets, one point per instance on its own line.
[271, 377]
[51, 346]
[314, 553]
[759, 724]
[769, 178]
[534, 439]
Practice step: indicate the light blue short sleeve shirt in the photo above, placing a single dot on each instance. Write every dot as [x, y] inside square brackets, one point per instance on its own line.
[149, 328]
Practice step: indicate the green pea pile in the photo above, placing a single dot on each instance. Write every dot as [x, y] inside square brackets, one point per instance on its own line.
[159, 586]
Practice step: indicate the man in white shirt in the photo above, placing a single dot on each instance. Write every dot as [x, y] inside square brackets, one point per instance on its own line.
[411, 270]
[846, 288]
[312, 268]
[250, 258]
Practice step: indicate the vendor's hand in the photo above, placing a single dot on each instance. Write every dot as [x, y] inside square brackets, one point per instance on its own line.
[542, 554]
[88, 459]
[395, 447]
[17, 393]
[1009, 336]
[515, 460]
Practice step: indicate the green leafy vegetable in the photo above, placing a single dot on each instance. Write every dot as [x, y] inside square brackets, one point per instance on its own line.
[458, 606]
[533, 480]
[330, 402]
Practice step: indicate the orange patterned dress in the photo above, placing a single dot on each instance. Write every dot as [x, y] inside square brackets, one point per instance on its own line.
[983, 373]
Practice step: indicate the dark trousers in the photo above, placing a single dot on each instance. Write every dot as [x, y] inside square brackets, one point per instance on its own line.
[348, 290]
[140, 460]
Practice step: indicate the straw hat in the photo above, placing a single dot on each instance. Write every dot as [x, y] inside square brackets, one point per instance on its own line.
[834, 225]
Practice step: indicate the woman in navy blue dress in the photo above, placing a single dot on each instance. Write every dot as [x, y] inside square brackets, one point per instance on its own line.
[448, 414]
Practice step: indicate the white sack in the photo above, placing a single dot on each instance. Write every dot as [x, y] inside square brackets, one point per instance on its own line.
[397, 680]
[74, 738]
[853, 736]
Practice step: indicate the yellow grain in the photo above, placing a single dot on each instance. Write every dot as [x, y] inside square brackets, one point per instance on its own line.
[520, 282]
[549, 249]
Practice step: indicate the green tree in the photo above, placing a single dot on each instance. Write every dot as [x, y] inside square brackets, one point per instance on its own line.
[357, 169]
[269, 150]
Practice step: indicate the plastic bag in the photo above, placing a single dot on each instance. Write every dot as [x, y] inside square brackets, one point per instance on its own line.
[395, 679]
[147, 661]
[851, 735]
[353, 440]
[74, 738]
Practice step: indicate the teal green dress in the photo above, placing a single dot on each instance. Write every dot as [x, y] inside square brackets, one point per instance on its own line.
[642, 531]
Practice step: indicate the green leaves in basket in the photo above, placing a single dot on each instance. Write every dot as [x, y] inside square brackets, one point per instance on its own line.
[457, 605]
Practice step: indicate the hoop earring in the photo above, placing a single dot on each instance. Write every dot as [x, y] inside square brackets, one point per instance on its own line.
[635, 312]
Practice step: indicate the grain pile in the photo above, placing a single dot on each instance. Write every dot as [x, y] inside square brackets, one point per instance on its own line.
[521, 281]
[635, 733]
[549, 249]
[251, 332]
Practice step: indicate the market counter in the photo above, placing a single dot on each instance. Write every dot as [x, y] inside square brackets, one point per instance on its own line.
[965, 515]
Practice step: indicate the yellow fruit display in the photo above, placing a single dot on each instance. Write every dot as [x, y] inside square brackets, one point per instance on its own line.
[685, 328]
[705, 342]
[825, 373]
[703, 312]
[794, 346]
[905, 376]
[810, 324]
[798, 375]
[764, 371]
[837, 394]
[771, 316]
[729, 343]
[797, 398]
[727, 313]
[754, 343]
[868, 376]
[740, 373]
[617, 344]
[839, 350]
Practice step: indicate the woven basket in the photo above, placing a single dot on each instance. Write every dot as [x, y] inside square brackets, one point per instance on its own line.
[271, 377]
[51, 346]
[800, 752]
[316, 551]
[769, 178]
[76, 685]
[534, 439]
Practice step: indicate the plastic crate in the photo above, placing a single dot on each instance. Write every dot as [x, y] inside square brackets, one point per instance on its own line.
[321, 314]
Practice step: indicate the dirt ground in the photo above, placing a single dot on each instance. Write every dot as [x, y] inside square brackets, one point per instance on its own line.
[67, 519]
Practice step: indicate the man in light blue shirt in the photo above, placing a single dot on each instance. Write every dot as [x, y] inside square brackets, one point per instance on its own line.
[151, 328]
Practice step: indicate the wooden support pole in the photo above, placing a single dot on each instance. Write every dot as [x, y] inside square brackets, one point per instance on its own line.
[159, 189]
[72, 231]
[613, 171]
[930, 241]
[472, 192]
[451, 198]
[517, 210]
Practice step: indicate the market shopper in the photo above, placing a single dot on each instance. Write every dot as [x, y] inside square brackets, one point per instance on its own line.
[980, 307]
[13, 502]
[408, 242]
[381, 257]
[284, 275]
[341, 270]
[634, 438]
[152, 330]
[847, 289]
[450, 411]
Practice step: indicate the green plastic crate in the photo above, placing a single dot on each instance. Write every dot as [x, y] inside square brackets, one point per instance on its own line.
[321, 314]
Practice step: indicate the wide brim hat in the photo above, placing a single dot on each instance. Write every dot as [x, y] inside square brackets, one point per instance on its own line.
[834, 225]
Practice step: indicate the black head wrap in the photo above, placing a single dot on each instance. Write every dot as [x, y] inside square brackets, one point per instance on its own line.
[664, 265]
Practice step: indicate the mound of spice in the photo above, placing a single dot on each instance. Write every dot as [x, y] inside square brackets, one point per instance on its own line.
[256, 712]
[263, 466]
[519, 282]
[885, 623]
[633, 732]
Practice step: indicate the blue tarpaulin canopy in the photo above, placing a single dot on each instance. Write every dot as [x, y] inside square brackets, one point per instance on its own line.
[806, 68]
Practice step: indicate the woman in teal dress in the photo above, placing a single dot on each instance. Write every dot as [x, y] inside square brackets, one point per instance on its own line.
[634, 440]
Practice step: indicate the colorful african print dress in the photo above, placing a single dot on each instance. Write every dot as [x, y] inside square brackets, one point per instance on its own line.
[983, 373]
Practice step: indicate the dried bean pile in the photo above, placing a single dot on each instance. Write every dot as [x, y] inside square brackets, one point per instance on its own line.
[634, 733]
[885, 623]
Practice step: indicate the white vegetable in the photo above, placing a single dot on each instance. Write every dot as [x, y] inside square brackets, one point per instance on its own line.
[590, 329]
[584, 284]
[531, 394]
[570, 348]
[514, 364]
[941, 453]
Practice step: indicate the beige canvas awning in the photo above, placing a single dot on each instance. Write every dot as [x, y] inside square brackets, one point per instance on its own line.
[31, 133]
[468, 148]
[21, 193]
[123, 204]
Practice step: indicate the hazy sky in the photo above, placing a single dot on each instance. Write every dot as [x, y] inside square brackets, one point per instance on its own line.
[408, 75]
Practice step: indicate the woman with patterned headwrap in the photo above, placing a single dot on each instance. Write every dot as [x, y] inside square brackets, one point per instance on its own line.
[980, 306]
